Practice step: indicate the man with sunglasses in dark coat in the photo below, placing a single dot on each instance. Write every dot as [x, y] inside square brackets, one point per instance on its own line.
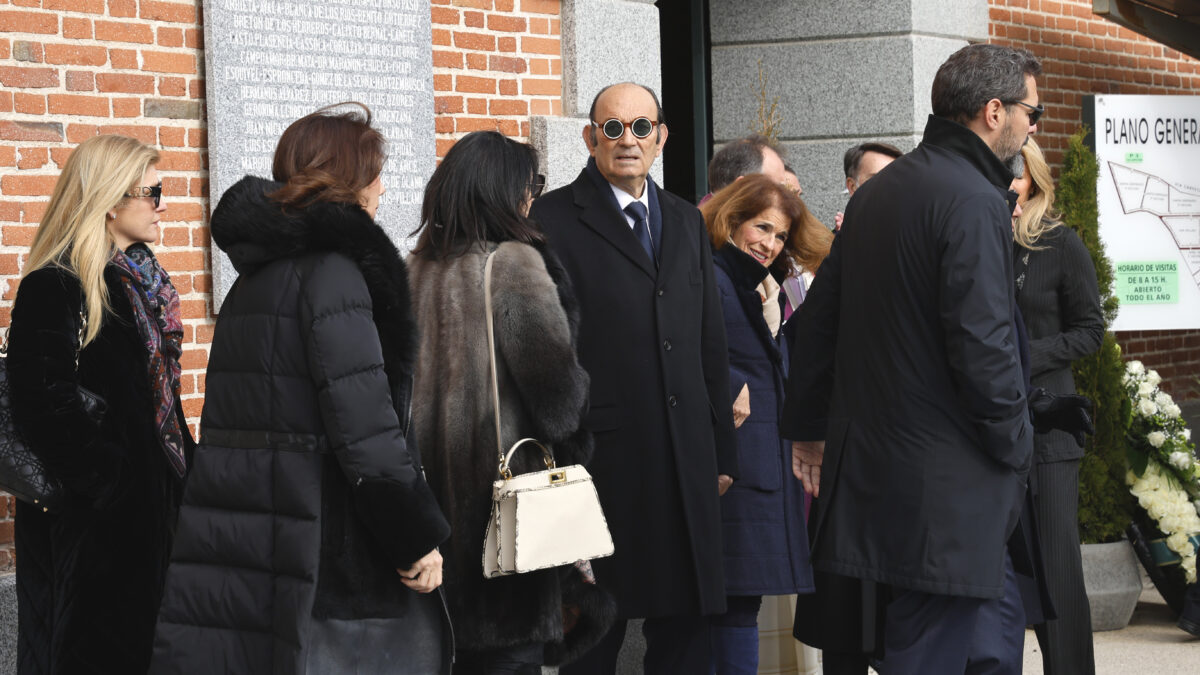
[653, 340]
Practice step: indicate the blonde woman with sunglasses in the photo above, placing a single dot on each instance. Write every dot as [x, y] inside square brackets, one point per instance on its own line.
[1060, 303]
[96, 310]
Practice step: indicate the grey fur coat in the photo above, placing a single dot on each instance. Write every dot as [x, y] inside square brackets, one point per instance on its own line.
[543, 394]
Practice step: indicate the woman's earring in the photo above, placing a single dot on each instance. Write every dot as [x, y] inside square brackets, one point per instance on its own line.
[111, 215]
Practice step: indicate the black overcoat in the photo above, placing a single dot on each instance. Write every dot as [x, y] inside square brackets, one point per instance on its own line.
[89, 578]
[653, 342]
[913, 376]
[304, 497]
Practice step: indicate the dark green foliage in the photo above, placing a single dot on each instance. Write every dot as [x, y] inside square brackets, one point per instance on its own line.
[1105, 505]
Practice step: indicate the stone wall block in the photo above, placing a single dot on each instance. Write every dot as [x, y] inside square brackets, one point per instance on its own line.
[607, 41]
[845, 88]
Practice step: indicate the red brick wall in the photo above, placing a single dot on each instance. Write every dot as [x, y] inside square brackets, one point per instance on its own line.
[495, 63]
[1085, 54]
[71, 69]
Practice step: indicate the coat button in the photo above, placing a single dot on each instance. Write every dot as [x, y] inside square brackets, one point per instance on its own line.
[667, 345]
[660, 292]
[672, 401]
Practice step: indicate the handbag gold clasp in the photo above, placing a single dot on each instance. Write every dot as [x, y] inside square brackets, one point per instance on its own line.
[557, 477]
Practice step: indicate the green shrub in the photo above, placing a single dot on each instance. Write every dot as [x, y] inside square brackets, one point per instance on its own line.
[1105, 505]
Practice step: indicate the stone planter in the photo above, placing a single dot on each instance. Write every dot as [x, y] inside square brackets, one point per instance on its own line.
[1110, 574]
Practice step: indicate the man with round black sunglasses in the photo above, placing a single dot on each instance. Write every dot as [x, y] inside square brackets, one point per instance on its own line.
[653, 341]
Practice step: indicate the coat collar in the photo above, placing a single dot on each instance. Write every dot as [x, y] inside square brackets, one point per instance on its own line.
[960, 140]
[594, 197]
[253, 231]
[746, 274]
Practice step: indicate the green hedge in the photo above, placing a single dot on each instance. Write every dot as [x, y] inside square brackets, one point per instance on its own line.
[1105, 505]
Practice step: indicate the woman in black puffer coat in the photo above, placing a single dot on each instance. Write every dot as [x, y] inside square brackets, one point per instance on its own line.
[307, 537]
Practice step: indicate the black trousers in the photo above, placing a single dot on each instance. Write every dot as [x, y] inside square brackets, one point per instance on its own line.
[674, 646]
[1066, 642]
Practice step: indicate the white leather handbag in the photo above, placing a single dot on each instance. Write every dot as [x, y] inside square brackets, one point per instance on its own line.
[544, 518]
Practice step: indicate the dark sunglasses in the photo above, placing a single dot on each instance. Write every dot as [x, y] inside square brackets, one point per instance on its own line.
[1035, 112]
[537, 186]
[154, 192]
[615, 128]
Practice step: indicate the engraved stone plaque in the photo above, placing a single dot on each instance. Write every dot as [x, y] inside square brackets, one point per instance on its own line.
[270, 62]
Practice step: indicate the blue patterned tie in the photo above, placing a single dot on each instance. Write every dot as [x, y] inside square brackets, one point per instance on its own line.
[641, 228]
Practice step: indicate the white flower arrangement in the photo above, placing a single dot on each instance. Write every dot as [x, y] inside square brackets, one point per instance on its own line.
[1164, 473]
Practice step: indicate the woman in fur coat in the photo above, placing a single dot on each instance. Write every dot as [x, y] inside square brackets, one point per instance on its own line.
[476, 203]
[307, 537]
[95, 310]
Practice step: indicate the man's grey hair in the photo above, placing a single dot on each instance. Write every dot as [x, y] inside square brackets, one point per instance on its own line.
[738, 158]
[976, 74]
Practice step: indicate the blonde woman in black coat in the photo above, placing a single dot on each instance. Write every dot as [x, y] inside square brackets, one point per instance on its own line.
[1060, 303]
[308, 537]
[95, 310]
[476, 205]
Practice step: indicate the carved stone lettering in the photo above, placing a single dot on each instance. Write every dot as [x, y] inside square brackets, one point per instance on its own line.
[271, 62]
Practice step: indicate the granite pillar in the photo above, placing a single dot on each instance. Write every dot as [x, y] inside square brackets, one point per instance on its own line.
[844, 72]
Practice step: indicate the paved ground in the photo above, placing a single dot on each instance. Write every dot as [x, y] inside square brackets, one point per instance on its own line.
[1150, 644]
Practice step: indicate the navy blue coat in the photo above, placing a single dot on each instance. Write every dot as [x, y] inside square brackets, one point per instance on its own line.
[762, 515]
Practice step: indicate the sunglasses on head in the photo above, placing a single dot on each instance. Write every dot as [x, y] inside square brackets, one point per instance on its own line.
[537, 186]
[615, 128]
[154, 192]
[1035, 111]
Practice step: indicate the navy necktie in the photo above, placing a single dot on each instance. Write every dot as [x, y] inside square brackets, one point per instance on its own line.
[641, 228]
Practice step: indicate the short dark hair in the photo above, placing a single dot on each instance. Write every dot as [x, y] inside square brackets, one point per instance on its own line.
[658, 109]
[476, 195]
[976, 74]
[855, 154]
[328, 156]
[738, 158]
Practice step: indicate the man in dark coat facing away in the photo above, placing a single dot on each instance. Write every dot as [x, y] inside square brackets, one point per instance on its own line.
[908, 406]
[653, 340]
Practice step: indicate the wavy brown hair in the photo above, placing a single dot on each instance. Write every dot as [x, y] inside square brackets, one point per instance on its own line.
[808, 241]
[328, 156]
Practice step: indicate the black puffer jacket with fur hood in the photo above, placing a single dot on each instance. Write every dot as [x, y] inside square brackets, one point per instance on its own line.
[304, 497]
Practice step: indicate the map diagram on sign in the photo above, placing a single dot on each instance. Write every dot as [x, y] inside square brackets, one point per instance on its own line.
[1178, 207]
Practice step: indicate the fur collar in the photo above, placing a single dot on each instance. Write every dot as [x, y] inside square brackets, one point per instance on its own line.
[253, 231]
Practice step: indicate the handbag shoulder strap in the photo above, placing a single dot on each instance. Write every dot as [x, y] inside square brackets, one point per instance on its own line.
[491, 338]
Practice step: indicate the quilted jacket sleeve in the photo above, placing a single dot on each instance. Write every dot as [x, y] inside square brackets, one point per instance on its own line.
[44, 384]
[346, 361]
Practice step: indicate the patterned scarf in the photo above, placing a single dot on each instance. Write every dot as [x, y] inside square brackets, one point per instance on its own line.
[155, 305]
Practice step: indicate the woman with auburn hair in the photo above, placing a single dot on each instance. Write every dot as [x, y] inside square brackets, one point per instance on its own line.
[760, 230]
[1059, 300]
[95, 310]
[308, 537]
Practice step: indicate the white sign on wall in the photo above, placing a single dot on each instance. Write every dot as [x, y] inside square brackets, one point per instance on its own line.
[1149, 199]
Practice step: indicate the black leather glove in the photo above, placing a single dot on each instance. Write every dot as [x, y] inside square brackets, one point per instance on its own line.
[1064, 412]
